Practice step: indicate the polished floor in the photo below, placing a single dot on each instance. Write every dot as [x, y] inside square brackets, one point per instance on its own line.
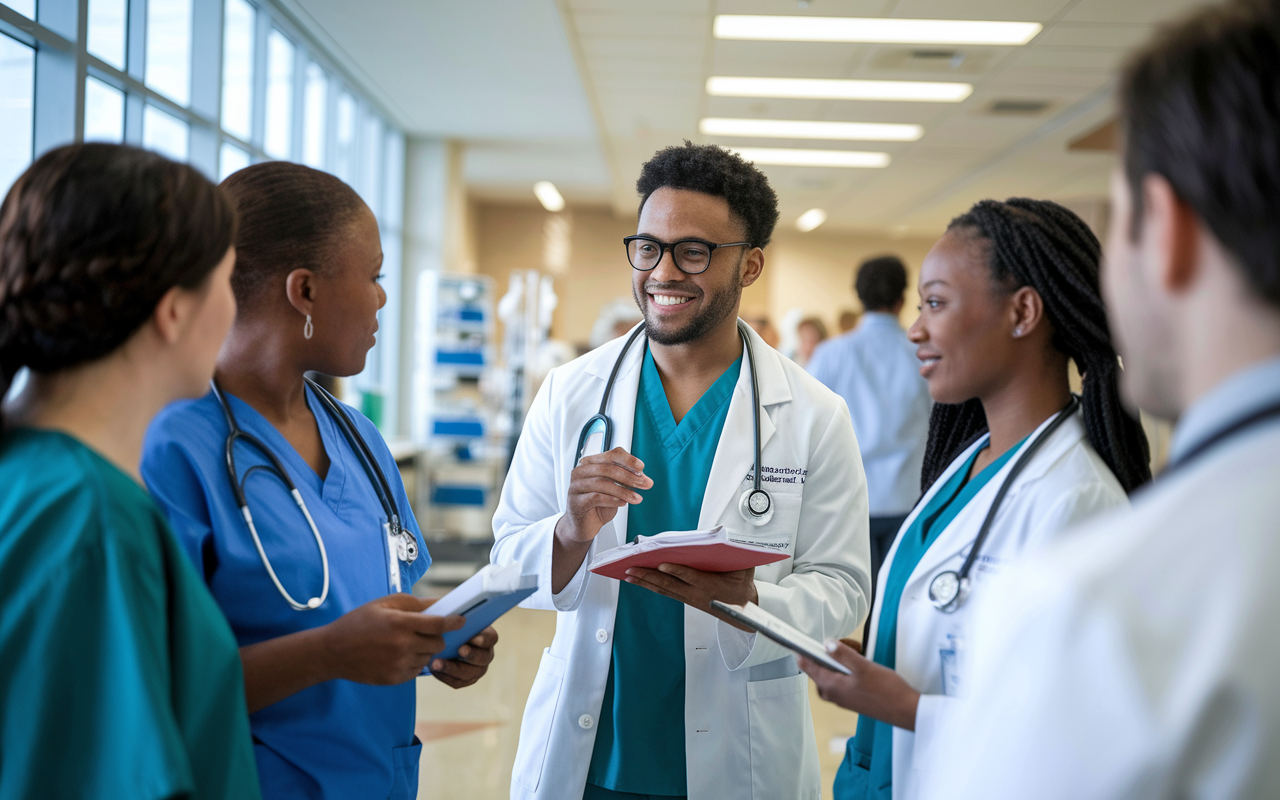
[469, 736]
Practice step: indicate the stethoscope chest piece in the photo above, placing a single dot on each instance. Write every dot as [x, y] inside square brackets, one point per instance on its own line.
[947, 591]
[406, 547]
[756, 506]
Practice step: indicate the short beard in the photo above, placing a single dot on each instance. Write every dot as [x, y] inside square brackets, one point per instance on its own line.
[721, 306]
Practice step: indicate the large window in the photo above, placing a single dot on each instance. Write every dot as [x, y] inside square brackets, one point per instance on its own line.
[17, 107]
[221, 84]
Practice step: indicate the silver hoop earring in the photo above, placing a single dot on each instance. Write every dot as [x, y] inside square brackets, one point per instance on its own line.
[308, 328]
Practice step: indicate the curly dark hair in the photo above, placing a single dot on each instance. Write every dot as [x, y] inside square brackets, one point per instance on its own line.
[1043, 245]
[713, 170]
[291, 217]
[91, 237]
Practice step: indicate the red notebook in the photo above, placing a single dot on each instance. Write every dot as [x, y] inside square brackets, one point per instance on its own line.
[709, 551]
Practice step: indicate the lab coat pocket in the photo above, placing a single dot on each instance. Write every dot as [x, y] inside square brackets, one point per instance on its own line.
[405, 760]
[539, 718]
[784, 754]
[779, 532]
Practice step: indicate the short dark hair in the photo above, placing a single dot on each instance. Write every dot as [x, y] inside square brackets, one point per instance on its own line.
[713, 170]
[291, 217]
[1200, 106]
[880, 282]
[92, 236]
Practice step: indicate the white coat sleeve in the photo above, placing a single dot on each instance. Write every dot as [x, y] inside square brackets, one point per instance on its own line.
[827, 593]
[532, 502]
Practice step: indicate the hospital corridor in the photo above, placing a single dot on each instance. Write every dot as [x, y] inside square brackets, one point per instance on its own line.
[639, 399]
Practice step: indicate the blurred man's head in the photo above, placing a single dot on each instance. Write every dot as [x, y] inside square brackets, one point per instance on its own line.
[848, 320]
[881, 283]
[705, 217]
[1193, 252]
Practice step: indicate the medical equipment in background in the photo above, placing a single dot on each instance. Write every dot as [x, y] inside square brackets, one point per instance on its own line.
[755, 505]
[402, 544]
[526, 312]
[948, 590]
[455, 407]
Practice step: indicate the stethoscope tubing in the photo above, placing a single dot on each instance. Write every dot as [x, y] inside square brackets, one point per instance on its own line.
[377, 480]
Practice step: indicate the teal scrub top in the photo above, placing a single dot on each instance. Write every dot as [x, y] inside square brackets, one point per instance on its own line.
[867, 770]
[119, 676]
[639, 745]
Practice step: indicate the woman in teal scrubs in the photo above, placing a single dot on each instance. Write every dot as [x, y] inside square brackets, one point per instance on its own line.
[119, 676]
[330, 687]
[1009, 296]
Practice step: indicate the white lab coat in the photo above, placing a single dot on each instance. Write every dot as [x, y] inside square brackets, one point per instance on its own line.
[748, 729]
[1138, 658]
[1065, 481]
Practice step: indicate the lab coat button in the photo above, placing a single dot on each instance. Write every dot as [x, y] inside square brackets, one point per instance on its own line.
[602, 636]
[585, 722]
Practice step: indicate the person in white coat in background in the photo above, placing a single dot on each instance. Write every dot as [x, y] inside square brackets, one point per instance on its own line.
[644, 691]
[1009, 295]
[1139, 659]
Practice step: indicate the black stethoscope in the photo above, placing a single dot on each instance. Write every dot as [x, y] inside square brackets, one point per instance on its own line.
[948, 590]
[755, 505]
[406, 546]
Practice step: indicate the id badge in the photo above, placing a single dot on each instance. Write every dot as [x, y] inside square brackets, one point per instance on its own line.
[950, 656]
[393, 557]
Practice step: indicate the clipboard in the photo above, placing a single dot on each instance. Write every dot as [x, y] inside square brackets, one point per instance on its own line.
[761, 621]
[482, 598]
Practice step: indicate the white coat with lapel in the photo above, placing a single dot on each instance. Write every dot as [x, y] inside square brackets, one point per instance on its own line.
[1065, 481]
[748, 730]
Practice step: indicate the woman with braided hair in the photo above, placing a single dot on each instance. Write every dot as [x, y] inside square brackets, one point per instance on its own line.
[119, 676]
[1010, 297]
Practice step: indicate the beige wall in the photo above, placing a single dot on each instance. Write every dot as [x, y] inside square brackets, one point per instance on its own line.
[812, 272]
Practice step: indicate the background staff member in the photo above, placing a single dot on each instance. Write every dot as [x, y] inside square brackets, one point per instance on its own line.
[639, 694]
[1139, 659]
[331, 687]
[1009, 294]
[118, 674]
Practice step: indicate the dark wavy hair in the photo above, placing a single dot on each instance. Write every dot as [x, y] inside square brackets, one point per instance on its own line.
[713, 170]
[91, 237]
[1040, 244]
[291, 217]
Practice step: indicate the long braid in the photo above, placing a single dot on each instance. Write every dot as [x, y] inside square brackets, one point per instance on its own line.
[1040, 244]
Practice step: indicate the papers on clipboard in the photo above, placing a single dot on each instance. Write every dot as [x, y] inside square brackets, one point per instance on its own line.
[761, 621]
[482, 598]
[709, 550]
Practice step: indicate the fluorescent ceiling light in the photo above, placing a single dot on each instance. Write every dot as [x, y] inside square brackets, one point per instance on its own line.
[798, 129]
[866, 29]
[812, 158]
[811, 219]
[548, 195]
[828, 89]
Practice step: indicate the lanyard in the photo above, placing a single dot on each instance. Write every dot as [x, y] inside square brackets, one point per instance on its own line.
[1258, 417]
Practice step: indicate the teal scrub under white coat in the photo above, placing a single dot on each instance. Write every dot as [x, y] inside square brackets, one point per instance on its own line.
[640, 743]
[867, 770]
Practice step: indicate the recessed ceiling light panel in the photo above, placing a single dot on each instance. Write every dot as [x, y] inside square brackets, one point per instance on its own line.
[548, 195]
[801, 129]
[876, 30]
[788, 157]
[829, 89]
[811, 219]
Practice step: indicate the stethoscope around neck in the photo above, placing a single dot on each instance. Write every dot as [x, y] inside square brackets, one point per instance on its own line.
[755, 505]
[949, 590]
[406, 544]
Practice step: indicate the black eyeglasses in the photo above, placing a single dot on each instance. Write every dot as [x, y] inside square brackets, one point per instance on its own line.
[691, 256]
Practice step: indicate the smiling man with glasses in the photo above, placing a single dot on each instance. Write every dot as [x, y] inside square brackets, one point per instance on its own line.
[645, 692]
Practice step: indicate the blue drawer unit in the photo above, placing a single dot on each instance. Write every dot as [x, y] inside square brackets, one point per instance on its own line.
[458, 496]
[458, 428]
[460, 358]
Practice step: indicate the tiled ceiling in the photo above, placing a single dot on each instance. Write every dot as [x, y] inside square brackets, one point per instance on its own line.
[501, 76]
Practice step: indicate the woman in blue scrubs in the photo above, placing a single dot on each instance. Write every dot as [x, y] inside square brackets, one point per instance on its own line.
[119, 676]
[1009, 296]
[330, 688]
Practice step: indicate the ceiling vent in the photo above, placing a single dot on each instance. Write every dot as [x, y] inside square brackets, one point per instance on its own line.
[1018, 107]
[932, 60]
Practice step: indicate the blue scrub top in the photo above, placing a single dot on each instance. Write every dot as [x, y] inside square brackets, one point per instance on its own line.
[640, 746]
[867, 770]
[338, 739]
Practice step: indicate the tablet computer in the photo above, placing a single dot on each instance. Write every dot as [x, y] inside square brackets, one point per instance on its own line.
[761, 621]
